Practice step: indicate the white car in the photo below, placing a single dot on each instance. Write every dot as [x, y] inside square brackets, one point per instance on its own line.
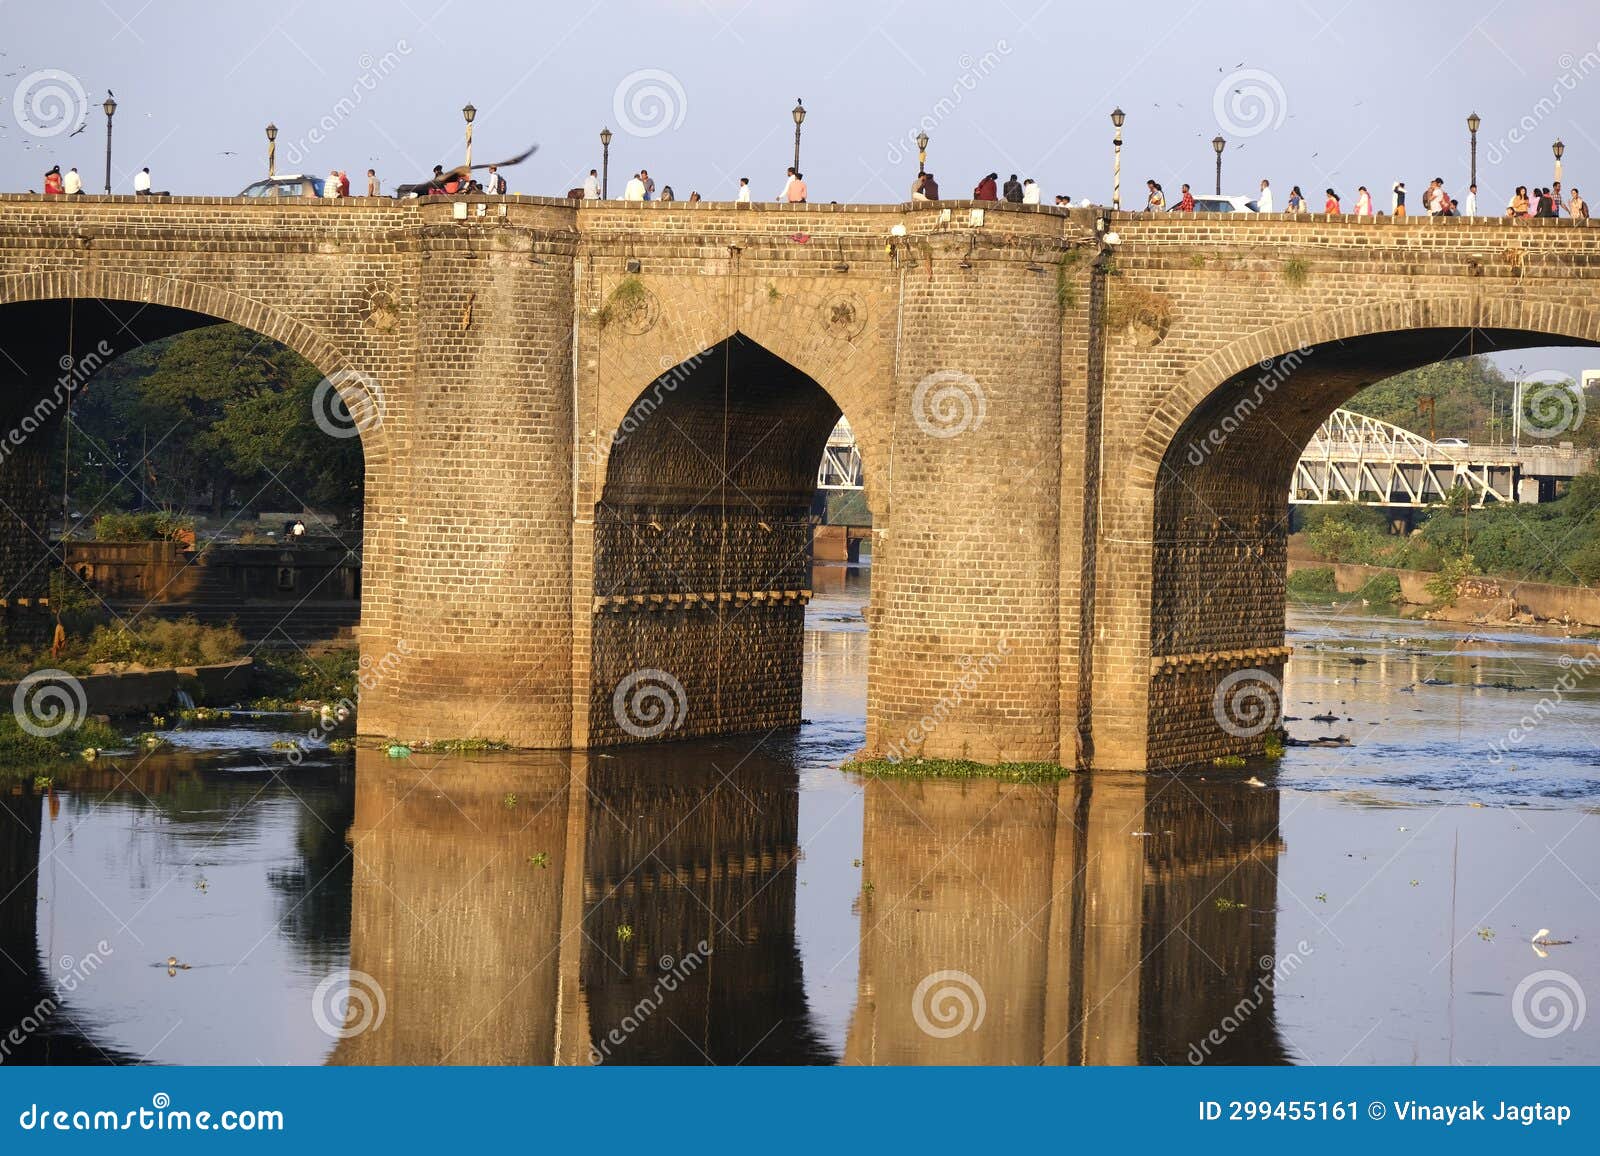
[1212, 204]
[1453, 443]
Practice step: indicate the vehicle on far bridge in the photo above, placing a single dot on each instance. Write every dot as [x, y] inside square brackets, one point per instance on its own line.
[289, 185]
[1221, 205]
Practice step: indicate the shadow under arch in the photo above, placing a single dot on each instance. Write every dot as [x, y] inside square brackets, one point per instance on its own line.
[1215, 466]
[702, 548]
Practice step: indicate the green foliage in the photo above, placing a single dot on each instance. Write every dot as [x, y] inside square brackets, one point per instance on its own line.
[1314, 583]
[165, 526]
[158, 642]
[955, 769]
[330, 677]
[1296, 271]
[208, 417]
[21, 752]
[1472, 400]
[629, 295]
[1443, 584]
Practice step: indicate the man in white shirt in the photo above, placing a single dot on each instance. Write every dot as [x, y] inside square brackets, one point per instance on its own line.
[330, 186]
[635, 189]
[591, 186]
[72, 185]
[141, 182]
[744, 191]
[1471, 207]
[787, 181]
[1264, 198]
[1030, 192]
[374, 186]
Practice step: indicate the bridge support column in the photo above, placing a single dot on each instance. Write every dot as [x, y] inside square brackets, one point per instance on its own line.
[964, 660]
[476, 500]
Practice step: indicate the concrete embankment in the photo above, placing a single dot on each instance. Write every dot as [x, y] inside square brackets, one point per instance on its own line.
[141, 691]
[1478, 599]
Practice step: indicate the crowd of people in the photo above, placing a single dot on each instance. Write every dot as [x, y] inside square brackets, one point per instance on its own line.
[1436, 201]
[1544, 201]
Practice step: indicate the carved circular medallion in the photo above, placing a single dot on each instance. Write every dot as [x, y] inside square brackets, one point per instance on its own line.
[843, 315]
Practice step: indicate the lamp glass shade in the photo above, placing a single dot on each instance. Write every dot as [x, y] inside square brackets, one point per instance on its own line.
[469, 112]
[1558, 148]
[1473, 121]
[1117, 117]
[922, 141]
[605, 136]
[110, 106]
[1219, 144]
[272, 132]
[799, 112]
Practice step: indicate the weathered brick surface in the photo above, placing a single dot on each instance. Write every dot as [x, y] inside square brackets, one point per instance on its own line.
[1068, 576]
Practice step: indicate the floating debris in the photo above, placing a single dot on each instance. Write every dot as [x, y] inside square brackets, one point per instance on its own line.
[399, 751]
[1252, 781]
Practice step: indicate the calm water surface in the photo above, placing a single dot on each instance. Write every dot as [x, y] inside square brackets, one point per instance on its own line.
[741, 901]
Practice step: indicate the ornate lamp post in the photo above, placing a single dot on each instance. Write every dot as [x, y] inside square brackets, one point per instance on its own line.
[922, 152]
[272, 150]
[111, 109]
[1558, 148]
[1219, 144]
[605, 163]
[468, 113]
[1117, 117]
[1473, 122]
[799, 114]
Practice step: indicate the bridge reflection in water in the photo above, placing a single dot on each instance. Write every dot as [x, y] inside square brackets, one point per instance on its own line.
[515, 912]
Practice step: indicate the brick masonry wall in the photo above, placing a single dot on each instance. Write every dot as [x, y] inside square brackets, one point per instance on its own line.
[1068, 522]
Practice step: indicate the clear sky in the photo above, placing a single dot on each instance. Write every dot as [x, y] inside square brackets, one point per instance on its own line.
[1333, 92]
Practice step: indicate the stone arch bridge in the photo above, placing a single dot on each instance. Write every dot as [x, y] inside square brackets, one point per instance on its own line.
[591, 434]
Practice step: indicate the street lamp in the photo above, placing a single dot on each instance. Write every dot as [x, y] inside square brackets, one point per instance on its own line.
[1473, 121]
[272, 150]
[605, 163]
[111, 108]
[799, 115]
[922, 152]
[467, 114]
[1117, 117]
[1219, 144]
[1558, 148]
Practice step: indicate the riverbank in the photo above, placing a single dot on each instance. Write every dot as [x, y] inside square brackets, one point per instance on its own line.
[1480, 599]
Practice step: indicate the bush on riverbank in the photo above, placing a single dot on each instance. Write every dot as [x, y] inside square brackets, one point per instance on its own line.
[21, 753]
[162, 526]
[153, 643]
[1317, 584]
[329, 677]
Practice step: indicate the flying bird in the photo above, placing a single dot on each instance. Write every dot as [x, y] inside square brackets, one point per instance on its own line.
[77, 130]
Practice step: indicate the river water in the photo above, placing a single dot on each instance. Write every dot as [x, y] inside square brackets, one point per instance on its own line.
[742, 901]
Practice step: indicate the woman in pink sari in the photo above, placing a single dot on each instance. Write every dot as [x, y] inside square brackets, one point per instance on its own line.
[1363, 202]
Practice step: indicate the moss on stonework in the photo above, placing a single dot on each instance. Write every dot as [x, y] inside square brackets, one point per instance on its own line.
[955, 769]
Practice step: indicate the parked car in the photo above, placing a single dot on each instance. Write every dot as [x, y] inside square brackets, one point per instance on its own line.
[1453, 443]
[1222, 205]
[288, 185]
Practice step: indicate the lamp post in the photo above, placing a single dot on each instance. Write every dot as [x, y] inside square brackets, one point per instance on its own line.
[467, 114]
[1117, 117]
[922, 152]
[799, 114]
[1219, 144]
[1473, 122]
[1558, 148]
[111, 108]
[605, 163]
[272, 150]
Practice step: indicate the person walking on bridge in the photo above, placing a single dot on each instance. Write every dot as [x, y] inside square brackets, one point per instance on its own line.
[1363, 202]
[930, 187]
[1156, 201]
[1471, 208]
[1264, 197]
[1297, 200]
[591, 186]
[988, 189]
[1577, 207]
[1331, 205]
[1030, 192]
[1397, 199]
[1185, 201]
[743, 196]
[374, 186]
[797, 189]
[634, 190]
[52, 182]
[72, 183]
[1013, 190]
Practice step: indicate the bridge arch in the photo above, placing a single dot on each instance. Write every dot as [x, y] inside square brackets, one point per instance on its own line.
[1211, 471]
[212, 301]
[702, 543]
